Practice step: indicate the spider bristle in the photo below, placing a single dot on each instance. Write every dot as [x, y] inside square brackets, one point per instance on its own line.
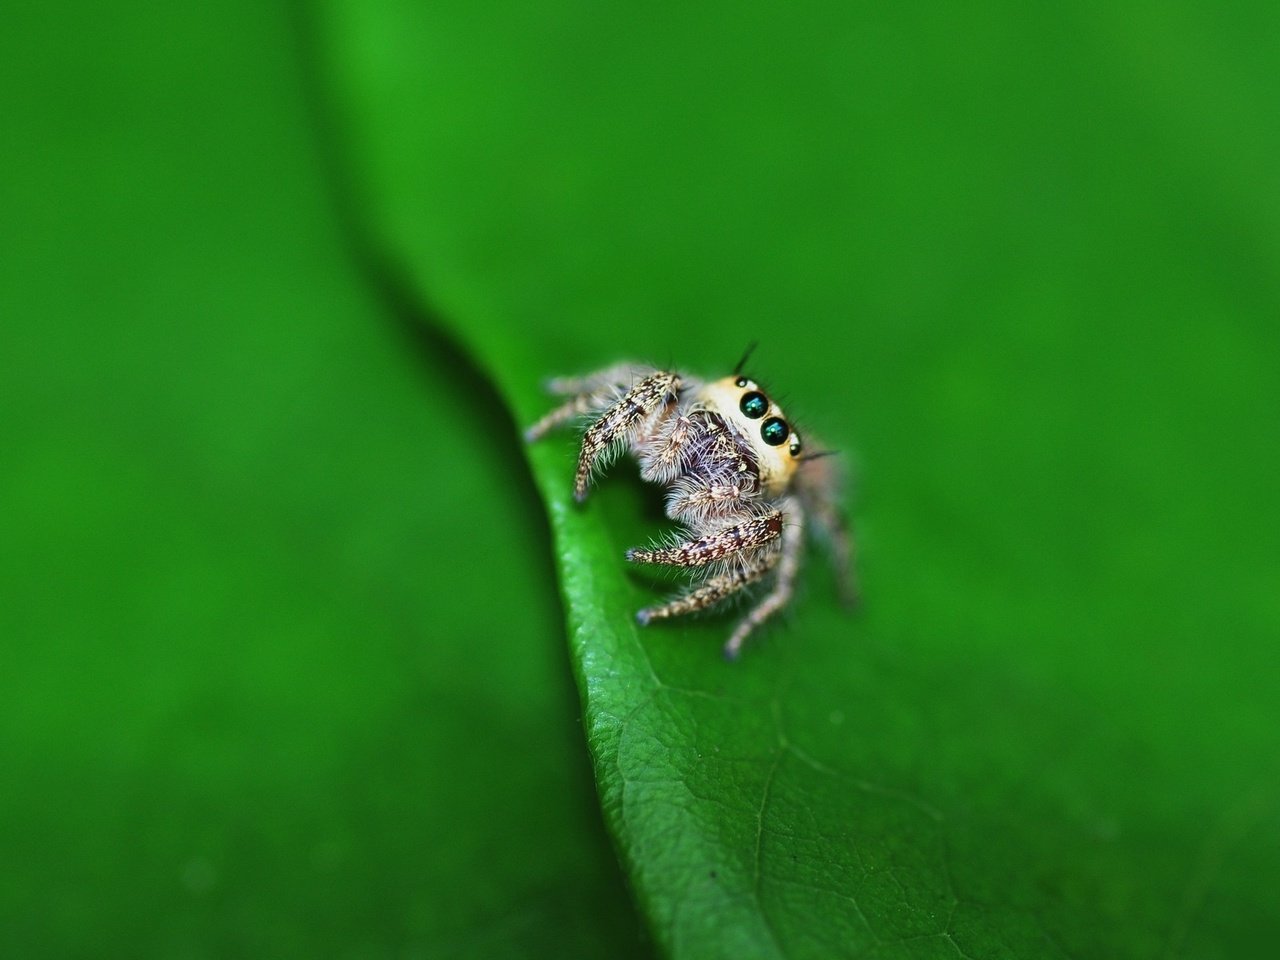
[745, 357]
[817, 455]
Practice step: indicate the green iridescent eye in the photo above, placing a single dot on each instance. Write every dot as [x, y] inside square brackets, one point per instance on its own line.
[774, 431]
[754, 405]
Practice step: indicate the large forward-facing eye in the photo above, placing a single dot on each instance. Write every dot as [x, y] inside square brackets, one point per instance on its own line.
[754, 404]
[774, 431]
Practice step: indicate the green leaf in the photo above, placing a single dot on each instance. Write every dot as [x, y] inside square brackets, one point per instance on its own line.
[1019, 266]
[255, 697]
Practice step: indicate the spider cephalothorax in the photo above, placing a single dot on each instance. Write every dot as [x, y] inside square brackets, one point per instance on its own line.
[737, 476]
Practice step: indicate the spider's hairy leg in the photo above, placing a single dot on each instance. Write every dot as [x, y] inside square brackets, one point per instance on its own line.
[621, 422]
[818, 486]
[748, 535]
[562, 414]
[712, 500]
[711, 592]
[780, 595]
[595, 391]
[620, 375]
[836, 526]
[662, 454]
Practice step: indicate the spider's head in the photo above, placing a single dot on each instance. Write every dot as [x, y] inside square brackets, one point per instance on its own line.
[741, 402]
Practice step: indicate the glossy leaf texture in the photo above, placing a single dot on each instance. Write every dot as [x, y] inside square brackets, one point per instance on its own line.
[1019, 266]
[255, 698]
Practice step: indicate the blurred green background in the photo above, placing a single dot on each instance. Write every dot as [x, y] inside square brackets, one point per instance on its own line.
[284, 671]
[256, 699]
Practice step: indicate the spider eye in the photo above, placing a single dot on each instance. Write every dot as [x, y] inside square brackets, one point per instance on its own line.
[740, 382]
[796, 446]
[754, 405]
[774, 431]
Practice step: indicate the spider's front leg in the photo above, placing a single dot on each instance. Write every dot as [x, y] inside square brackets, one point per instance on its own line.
[818, 486]
[595, 391]
[620, 375]
[780, 595]
[756, 563]
[750, 534]
[619, 424]
[711, 592]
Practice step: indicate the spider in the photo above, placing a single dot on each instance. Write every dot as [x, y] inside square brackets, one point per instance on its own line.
[737, 479]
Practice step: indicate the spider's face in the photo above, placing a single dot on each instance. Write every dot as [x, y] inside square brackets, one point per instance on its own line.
[777, 447]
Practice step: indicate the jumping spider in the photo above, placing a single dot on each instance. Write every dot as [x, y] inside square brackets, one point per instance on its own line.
[736, 477]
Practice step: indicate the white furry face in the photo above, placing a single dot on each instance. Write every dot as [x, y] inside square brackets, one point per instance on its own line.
[742, 403]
